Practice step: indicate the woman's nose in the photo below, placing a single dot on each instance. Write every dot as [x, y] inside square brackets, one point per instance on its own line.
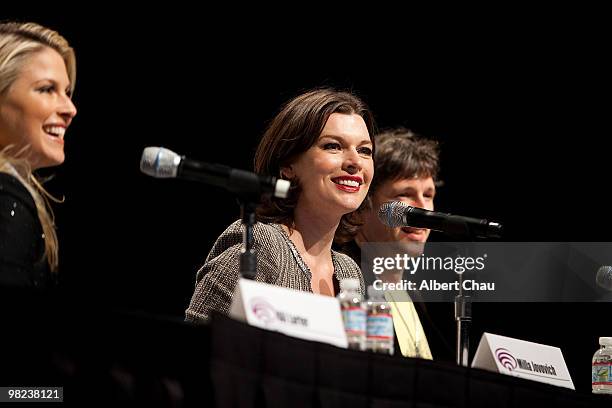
[67, 110]
[352, 162]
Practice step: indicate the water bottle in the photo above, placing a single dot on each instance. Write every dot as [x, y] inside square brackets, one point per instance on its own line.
[379, 326]
[353, 313]
[601, 374]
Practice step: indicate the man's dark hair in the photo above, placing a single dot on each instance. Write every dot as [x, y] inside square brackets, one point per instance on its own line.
[401, 153]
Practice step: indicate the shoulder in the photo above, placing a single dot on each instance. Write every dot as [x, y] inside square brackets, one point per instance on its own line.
[11, 184]
[266, 236]
[260, 230]
[347, 265]
[13, 195]
[12, 188]
[346, 268]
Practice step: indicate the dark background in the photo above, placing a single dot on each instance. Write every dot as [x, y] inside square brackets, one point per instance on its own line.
[517, 100]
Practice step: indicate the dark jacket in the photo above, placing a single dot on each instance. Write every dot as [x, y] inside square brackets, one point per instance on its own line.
[22, 246]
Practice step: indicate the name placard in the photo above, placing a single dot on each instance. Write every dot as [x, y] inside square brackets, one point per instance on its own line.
[519, 358]
[298, 314]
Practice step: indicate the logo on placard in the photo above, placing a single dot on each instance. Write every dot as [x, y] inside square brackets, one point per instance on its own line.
[265, 313]
[263, 310]
[506, 359]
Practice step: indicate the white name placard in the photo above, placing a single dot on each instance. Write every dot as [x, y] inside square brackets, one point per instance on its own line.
[299, 314]
[519, 358]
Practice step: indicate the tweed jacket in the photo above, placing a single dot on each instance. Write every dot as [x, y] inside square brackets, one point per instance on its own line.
[278, 263]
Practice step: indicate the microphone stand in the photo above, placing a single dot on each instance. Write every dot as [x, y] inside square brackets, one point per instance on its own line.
[249, 200]
[463, 314]
[248, 254]
[463, 318]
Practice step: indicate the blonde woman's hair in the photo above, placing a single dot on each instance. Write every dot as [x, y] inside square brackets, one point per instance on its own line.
[18, 41]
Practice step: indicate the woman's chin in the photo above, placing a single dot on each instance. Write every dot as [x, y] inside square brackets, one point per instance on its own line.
[349, 208]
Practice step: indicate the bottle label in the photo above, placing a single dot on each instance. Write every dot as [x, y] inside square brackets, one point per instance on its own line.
[380, 326]
[601, 373]
[354, 320]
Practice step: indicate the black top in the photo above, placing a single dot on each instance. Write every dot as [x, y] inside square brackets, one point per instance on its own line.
[22, 246]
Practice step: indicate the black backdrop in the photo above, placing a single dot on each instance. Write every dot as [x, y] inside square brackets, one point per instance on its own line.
[517, 102]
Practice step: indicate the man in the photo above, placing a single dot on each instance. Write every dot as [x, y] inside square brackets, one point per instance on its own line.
[406, 170]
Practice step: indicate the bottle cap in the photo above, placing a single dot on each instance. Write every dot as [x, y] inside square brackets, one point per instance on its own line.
[605, 341]
[349, 284]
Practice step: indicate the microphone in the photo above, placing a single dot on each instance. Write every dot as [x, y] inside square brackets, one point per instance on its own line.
[163, 163]
[397, 214]
[604, 277]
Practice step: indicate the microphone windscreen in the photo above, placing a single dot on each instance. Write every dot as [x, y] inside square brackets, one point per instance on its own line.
[159, 162]
[604, 277]
[392, 214]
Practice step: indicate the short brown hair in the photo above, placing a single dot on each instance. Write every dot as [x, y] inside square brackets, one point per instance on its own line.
[401, 153]
[294, 130]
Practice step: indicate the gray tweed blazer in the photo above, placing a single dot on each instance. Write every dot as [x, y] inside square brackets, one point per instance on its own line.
[278, 263]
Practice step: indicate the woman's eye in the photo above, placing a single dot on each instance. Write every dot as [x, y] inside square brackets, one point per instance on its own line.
[365, 151]
[46, 89]
[331, 146]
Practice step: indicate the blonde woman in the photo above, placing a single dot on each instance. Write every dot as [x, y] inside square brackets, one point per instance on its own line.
[37, 76]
